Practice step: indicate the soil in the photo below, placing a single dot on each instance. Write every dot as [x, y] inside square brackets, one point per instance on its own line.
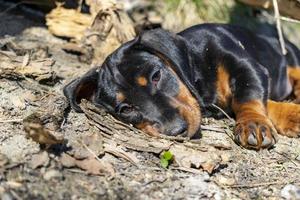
[238, 173]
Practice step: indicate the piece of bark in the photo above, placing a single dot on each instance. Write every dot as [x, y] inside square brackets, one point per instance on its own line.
[15, 67]
[68, 23]
[186, 154]
[111, 27]
[121, 133]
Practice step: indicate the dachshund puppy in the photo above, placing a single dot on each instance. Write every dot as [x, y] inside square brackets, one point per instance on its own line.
[163, 83]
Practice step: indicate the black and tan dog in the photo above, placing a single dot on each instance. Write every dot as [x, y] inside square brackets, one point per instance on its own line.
[163, 83]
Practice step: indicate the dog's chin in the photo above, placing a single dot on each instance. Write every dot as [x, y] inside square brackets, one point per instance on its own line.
[196, 135]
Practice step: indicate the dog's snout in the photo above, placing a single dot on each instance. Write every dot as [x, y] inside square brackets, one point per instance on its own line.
[178, 129]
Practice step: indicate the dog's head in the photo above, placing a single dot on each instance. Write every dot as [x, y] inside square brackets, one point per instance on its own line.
[146, 82]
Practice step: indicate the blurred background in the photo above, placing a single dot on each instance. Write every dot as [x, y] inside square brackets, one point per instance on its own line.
[108, 23]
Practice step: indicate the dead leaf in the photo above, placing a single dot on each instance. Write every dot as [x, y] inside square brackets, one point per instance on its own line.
[191, 158]
[67, 160]
[96, 167]
[209, 166]
[35, 130]
[39, 160]
[90, 165]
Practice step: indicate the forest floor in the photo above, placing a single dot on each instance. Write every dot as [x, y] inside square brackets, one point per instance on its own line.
[213, 167]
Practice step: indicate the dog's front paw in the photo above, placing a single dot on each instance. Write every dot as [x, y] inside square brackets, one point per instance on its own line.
[285, 117]
[255, 133]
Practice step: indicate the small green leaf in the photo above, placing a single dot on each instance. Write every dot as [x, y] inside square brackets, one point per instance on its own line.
[166, 158]
[167, 155]
[164, 163]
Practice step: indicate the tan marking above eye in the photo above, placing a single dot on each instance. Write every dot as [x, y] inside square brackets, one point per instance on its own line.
[120, 97]
[142, 81]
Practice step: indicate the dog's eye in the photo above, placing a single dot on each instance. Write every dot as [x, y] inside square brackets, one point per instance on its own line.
[125, 109]
[156, 77]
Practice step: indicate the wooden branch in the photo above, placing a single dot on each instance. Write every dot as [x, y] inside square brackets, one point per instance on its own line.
[278, 26]
[290, 20]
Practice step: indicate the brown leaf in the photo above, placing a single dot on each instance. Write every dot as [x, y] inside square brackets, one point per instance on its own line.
[191, 158]
[95, 167]
[90, 165]
[67, 160]
[209, 166]
[38, 160]
[35, 130]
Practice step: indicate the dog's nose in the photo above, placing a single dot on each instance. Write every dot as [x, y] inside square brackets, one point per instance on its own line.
[179, 129]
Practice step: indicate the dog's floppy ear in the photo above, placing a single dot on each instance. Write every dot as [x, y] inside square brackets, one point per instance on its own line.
[171, 46]
[81, 88]
[174, 49]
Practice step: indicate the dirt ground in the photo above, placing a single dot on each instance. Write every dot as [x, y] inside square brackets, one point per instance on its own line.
[217, 167]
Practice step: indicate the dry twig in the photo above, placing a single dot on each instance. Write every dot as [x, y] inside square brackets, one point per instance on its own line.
[261, 184]
[290, 20]
[90, 151]
[278, 26]
[220, 109]
[11, 120]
